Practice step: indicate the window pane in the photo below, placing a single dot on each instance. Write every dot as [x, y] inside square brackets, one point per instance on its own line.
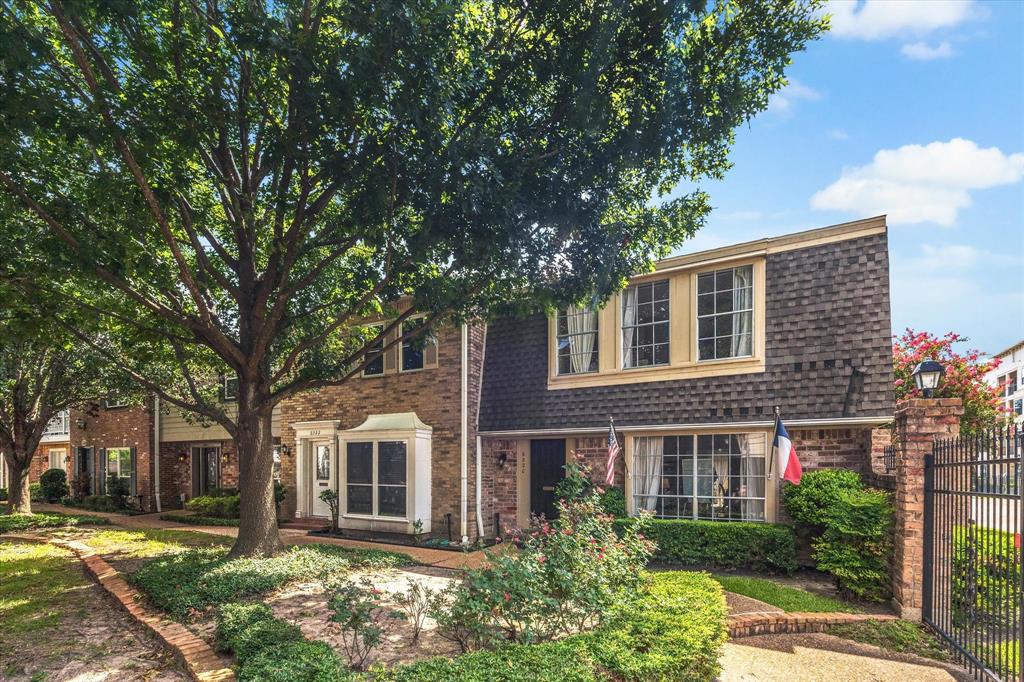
[643, 293]
[376, 365]
[391, 463]
[323, 462]
[359, 463]
[412, 349]
[360, 499]
[706, 349]
[661, 290]
[706, 283]
[723, 302]
[723, 280]
[577, 340]
[391, 500]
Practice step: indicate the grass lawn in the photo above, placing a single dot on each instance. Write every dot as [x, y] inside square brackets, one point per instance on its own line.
[900, 636]
[16, 523]
[786, 598]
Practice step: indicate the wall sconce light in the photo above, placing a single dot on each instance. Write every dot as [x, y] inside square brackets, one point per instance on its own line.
[80, 423]
[502, 460]
[182, 457]
[285, 450]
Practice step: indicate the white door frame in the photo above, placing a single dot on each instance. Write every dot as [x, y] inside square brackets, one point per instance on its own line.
[306, 434]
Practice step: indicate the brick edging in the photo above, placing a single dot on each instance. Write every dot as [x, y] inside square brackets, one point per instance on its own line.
[750, 624]
[202, 664]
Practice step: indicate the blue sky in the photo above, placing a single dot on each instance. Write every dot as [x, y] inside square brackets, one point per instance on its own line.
[913, 109]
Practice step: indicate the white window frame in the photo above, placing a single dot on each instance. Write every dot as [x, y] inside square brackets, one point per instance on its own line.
[379, 326]
[62, 454]
[375, 484]
[58, 428]
[112, 404]
[563, 313]
[623, 327]
[714, 314]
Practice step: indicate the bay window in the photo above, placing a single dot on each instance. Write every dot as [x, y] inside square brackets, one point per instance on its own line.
[375, 478]
[645, 324]
[705, 476]
[725, 313]
[576, 336]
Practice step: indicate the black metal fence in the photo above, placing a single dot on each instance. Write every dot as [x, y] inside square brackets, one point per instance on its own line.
[973, 578]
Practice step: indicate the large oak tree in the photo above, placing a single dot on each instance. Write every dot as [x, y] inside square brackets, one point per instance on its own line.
[240, 182]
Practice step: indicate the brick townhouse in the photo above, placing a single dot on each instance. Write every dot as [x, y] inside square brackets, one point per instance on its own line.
[470, 432]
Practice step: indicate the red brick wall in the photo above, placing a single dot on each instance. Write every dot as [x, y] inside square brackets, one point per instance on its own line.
[130, 427]
[176, 469]
[498, 483]
[846, 448]
[593, 453]
[41, 459]
[433, 394]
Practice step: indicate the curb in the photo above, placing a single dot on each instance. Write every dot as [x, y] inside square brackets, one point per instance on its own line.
[201, 662]
[750, 624]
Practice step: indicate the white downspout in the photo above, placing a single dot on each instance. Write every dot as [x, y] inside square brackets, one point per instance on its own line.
[156, 448]
[464, 440]
[479, 441]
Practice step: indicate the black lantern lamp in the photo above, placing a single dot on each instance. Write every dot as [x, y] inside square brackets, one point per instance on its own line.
[927, 376]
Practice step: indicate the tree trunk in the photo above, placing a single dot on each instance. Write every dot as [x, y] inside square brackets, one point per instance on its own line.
[257, 528]
[18, 498]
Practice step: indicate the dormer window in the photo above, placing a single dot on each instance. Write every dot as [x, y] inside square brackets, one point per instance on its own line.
[577, 340]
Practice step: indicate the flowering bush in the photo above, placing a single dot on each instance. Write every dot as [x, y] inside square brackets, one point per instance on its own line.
[964, 379]
[361, 615]
[564, 578]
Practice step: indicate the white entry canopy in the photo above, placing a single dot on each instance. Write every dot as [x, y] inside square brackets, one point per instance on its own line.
[397, 421]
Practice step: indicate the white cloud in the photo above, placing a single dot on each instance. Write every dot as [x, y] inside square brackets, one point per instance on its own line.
[924, 52]
[838, 134]
[879, 19]
[916, 184]
[783, 101]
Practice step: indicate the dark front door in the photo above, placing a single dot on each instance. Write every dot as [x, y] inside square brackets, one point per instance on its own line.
[205, 470]
[547, 459]
[84, 471]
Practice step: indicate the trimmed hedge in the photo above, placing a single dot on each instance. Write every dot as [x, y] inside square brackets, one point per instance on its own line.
[12, 523]
[721, 544]
[223, 506]
[675, 632]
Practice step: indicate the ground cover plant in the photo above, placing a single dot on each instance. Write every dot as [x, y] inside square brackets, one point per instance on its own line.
[199, 520]
[192, 581]
[785, 597]
[15, 523]
[900, 636]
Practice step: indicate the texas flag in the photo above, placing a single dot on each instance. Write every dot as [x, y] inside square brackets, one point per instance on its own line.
[784, 453]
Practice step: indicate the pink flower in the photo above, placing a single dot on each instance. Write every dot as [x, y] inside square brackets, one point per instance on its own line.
[541, 559]
[508, 597]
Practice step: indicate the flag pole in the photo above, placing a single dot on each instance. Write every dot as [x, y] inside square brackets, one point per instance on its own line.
[771, 446]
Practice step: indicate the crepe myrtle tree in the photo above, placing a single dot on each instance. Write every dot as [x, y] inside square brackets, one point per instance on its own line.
[239, 184]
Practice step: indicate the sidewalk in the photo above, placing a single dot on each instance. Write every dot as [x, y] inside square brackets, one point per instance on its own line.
[437, 558]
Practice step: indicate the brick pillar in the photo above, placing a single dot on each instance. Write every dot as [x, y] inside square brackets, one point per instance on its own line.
[918, 423]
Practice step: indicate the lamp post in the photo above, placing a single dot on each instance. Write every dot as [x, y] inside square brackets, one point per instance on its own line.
[927, 376]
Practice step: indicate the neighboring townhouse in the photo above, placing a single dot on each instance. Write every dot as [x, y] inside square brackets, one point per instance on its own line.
[468, 433]
[1008, 379]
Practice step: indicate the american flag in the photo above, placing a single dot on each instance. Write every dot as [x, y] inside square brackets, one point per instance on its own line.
[613, 452]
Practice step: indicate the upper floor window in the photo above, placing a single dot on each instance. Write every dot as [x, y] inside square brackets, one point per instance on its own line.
[230, 388]
[414, 350]
[114, 401]
[725, 313]
[60, 425]
[645, 321]
[577, 340]
[375, 352]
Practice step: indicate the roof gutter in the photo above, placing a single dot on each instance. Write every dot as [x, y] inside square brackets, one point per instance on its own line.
[837, 422]
[156, 451]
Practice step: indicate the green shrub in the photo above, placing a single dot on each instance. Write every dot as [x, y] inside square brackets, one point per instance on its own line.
[985, 563]
[13, 523]
[856, 546]
[219, 506]
[613, 502]
[578, 484]
[197, 520]
[3, 494]
[119, 491]
[673, 631]
[719, 544]
[566, 577]
[268, 648]
[93, 503]
[808, 503]
[35, 492]
[53, 484]
[196, 580]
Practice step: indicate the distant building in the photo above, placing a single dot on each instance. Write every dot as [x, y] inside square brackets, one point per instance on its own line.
[1008, 378]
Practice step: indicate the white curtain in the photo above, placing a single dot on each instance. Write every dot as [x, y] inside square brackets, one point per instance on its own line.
[741, 322]
[628, 331]
[582, 332]
[647, 461]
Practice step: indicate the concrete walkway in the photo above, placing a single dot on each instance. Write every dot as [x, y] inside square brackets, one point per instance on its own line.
[437, 558]
[815, 657]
